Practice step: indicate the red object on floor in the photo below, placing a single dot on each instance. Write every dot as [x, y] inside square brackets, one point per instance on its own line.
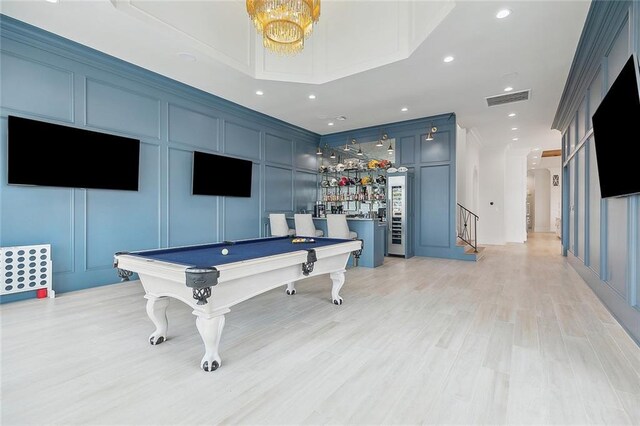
[41, 293]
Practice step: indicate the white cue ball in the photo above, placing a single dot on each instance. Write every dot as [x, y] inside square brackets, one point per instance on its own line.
[225, 252]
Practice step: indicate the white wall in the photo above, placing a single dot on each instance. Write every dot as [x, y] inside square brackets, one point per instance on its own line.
[543, 196]
[515, 196]
[472, 191]
[467, 169]
[503, 181]
[461, 168]
[531, 198]
[491, 229]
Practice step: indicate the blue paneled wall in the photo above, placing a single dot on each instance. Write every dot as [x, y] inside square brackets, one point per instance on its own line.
[49, 78]
[600, 237]
[433, 163]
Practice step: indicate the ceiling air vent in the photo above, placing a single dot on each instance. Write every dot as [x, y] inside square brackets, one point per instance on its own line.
[523, 95]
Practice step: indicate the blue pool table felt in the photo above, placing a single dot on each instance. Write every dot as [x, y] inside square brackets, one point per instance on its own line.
[211, 254]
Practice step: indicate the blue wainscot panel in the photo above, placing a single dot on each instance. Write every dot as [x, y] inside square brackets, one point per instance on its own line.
[36, 88]
[241, 141]
[439, 149]
[39, 215]
[192, 218]
[242, 215]
[636, 302]
[306, 189]
[434, 206]
[124, 220]
[306, 157]
[280, 199]
[193, 128]
[119, 109]
[407, 147]
[617, 245]
[278, 150]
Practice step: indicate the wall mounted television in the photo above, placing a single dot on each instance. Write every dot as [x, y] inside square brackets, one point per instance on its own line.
[220, 175]
[615, 135]
[49, 154]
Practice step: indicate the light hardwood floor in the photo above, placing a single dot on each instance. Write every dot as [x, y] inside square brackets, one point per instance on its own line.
[515, 338]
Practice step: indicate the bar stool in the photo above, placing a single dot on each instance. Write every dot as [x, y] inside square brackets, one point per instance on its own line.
[279, 226]
[305, 226]
[337, 227]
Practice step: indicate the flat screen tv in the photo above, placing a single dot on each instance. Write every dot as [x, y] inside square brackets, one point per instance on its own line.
[615, 135]
[220, 175]
[48, 154]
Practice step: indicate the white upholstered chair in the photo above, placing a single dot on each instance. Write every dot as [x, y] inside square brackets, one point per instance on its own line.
[337, 227]
[279, 226]
[305, 226]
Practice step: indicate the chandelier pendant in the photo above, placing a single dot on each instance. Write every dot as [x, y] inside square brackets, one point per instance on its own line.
[284, 24]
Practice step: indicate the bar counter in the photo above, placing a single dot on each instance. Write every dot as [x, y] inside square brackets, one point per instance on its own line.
[372, 232]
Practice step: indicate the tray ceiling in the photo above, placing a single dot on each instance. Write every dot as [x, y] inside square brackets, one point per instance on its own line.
[351, 36]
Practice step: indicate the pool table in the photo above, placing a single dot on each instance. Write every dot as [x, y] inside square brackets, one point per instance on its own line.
[211, 282]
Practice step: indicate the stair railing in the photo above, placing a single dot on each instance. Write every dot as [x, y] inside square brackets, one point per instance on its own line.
[467, 228]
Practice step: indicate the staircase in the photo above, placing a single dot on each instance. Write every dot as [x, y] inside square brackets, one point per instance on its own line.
[467, 232]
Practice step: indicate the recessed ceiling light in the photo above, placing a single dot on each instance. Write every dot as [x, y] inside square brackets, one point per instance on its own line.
[185, 56]
[312, 96]
[513, 114]
[514, 139]
[514, 128]
[536, 149]
[404, 109]
[259, 92]
[341, 118]
[535, 156]
[330, 123]
[52, 1]
[448, 58]
[508, 89]
[534, 163]
[503, 13]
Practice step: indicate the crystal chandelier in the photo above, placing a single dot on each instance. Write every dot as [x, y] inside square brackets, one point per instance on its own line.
[284, 24]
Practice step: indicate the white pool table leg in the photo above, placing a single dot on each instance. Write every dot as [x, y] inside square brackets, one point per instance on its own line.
[338, 281]
[291, 288]
[210, 329]
[157, 312]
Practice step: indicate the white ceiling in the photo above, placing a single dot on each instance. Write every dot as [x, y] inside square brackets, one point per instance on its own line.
[368, 59]
[536, 161]
[378, 33]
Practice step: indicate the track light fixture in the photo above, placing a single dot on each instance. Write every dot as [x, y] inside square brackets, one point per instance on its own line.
[353, 142]
[383, 138]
